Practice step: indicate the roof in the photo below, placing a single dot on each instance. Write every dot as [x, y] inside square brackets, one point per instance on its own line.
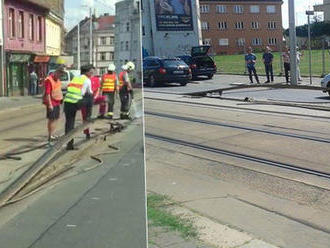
[105, 22]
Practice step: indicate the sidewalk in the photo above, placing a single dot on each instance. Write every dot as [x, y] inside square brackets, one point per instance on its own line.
[11, 103]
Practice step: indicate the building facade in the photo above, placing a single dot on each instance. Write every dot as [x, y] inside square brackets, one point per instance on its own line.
[325, 8]
[170, 31]
[232, 26]
[24, 32]
[102, 43]
[128, 36]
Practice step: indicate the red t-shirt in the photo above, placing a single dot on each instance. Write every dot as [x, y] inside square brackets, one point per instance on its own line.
[96, 84]
[48, 90]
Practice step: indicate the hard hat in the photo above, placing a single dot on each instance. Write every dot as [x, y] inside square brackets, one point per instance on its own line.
[111, 67]
[60, 61]
[124, 67]
[130, 65]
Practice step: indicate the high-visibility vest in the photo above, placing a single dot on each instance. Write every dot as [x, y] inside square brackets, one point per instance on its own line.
[109, 82]
[73, 94]
[121, 79]
[56, 92]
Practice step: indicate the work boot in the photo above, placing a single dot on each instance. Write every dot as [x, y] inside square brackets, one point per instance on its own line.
[101, 116]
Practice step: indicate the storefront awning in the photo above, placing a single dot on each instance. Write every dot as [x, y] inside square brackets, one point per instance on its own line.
[41, 59]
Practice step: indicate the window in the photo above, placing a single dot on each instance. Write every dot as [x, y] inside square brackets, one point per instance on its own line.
[272, 25]
[103, 56]
[21, 24]
[271, 9]
[31, 27]
[112, 55]
[205, 25]
[112, 40]
[254, 9]
[11, 22]
[222, 25]
[121, 46]
[143, 31]
[126, 46]
[256, 42]
[205, 8]
[240, 42]
[39, 28]
[103, 41]
[238, 9]
[272, 41]
[127, 27]
[255, 25]
[223, 42]
[239, 25]
[207, 42]
[221, 9]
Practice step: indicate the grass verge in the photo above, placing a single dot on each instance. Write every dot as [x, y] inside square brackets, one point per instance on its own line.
[159, 215]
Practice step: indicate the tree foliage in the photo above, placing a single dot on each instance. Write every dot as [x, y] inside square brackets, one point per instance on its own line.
[318, 29]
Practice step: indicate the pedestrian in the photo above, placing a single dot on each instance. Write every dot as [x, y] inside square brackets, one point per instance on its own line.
[52, 99]
[79, 94]
[250, 60]
[286, 61]
[125, 90]
[33, 83]
[299, 56]
[109, 88]
[268, 61]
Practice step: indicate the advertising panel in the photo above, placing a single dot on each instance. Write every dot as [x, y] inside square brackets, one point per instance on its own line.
[173, 15]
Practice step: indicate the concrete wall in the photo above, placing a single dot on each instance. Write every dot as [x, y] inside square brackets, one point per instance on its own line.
[169, 43]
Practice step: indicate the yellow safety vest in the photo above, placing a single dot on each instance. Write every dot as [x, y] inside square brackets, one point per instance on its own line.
[73, 94]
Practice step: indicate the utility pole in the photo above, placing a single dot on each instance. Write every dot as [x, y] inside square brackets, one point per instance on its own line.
[2, 50]
[309, 13]
[78, 47]
[90, 36]
[293, 43]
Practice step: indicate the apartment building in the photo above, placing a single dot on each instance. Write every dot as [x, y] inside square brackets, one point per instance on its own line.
[231, 26]
[325, 8]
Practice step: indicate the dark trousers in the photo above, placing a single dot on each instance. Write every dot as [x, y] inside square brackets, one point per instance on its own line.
[111, 100]
[269, 72]
[286, 71]
[126, 100]
[70, 110]
[250, 70]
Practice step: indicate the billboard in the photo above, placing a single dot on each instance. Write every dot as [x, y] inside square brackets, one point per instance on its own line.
[173, 15]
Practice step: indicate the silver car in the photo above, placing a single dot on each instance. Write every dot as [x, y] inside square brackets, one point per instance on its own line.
[325, 83]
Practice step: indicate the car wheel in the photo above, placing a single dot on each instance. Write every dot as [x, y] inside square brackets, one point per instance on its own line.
[210, 76]
[152, 82]
[183, 83]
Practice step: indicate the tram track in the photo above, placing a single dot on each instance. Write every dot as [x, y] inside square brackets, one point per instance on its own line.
[241, 156]
[221, 124]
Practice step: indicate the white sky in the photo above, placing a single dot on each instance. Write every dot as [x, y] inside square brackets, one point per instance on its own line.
[300, 6]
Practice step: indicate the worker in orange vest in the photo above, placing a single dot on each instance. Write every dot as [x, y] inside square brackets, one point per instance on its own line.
[125, 90]
[109, 88]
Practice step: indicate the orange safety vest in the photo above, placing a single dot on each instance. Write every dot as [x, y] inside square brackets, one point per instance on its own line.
[109, 82]
[121, 79]
[56, 93]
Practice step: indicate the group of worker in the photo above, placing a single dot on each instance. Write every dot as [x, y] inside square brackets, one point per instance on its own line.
[82, 93]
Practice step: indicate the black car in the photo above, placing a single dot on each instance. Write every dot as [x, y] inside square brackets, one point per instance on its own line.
[199, 62]
[159, 70]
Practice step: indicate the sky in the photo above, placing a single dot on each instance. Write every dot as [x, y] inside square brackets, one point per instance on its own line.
[76, 10]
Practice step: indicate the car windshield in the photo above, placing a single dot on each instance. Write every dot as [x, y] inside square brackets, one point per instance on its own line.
[64, 77]
[186, 59]
[173, 63]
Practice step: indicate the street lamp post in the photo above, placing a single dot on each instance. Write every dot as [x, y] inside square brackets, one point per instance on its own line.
[78, 47]
[309, 13]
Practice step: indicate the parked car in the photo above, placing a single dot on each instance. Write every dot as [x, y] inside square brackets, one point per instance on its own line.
[165, 70]
[325, 83]
[199, 62]
[66, 77]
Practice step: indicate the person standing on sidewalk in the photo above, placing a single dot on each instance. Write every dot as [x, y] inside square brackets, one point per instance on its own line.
[33, 83]
[109, 88]
[268, 61]
[286, 61]
[125, 90]
[78, 94]
[52, 99]
[250, 60]
[299, 55]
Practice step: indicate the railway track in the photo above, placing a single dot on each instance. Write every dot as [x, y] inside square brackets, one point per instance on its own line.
[241, 156]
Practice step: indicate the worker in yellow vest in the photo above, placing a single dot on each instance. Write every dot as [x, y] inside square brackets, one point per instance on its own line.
[109, 88]
[125, 90]
[78, 88]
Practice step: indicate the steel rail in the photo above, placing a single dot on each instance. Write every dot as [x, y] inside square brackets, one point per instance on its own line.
[214, 123]
[242, 156]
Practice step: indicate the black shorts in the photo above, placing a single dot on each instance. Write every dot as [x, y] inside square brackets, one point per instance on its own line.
[54, 114]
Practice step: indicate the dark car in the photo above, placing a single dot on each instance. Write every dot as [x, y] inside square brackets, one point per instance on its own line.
[159, 70]
[199, 62]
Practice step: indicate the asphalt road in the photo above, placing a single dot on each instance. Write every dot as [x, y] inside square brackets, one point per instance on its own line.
[102, 207]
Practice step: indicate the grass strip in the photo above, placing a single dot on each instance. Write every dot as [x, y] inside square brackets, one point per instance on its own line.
[158, 215]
